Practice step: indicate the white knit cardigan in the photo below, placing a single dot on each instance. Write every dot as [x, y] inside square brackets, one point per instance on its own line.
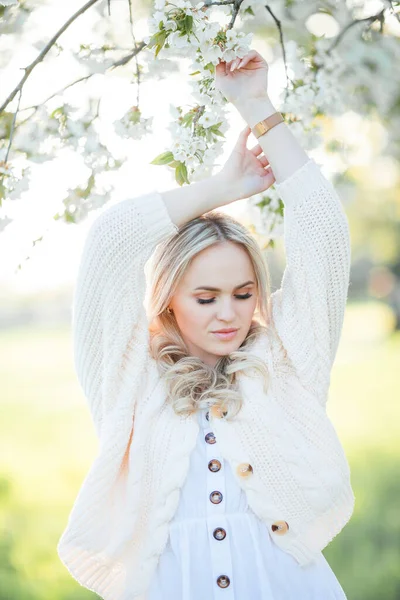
[119, 524]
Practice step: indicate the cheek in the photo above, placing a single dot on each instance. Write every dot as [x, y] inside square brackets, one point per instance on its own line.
[191, 317]
[247, 308]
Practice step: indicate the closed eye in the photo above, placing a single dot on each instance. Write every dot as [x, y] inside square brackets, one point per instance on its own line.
[210, 300]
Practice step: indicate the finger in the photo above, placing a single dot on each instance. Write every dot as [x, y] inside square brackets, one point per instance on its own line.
[234, 64]
[231, 65]
[269, 176]
[228, 66]
[244, 134]
[264, 161]
[256, 150]
[253, 54]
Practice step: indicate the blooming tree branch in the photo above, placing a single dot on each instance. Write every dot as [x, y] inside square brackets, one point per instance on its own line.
[28, 70]
[378, 17]
[324, 77]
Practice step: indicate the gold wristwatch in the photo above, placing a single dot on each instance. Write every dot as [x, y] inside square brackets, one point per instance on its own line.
[266, 124]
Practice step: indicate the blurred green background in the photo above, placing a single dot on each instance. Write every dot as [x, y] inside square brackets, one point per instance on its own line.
[48, 443]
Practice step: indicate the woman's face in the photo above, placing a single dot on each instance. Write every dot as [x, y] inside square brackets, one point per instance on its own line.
[200, 312]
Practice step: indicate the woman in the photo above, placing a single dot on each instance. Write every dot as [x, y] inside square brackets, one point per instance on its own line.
[219, 473]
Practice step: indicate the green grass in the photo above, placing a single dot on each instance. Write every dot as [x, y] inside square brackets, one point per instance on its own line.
[47, 444]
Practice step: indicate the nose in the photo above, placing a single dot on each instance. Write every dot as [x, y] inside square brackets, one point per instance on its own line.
[226, 310]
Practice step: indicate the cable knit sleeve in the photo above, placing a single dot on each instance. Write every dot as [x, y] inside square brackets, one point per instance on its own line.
[108, 310]
[308, 309]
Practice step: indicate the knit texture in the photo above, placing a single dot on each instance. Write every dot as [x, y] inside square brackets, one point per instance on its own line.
[118, 526]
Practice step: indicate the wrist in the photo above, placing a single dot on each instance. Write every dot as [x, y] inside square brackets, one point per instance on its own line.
[254, 110]
[224, 188]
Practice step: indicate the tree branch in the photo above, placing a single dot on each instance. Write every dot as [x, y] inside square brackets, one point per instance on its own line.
[394, 13]
[279, 26]
[125, 59]
[134, 43]
[28, 70]
[370, 20]
[122, 61]
[221, 3]
[13, 127]
[236, 8]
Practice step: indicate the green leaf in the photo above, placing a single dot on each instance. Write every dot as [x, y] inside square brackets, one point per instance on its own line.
[163, 159]
[181, 174]
[218, 132]
[158, 40]
[187, 119]
[210, 67]
[188, 24]
[249, 11]
[134, 116]
[68, 217]
[195, 73]
[269, 244]
[57, 111]
[153, 40]
[6, 119]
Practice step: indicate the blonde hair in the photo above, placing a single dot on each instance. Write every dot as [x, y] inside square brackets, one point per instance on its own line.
[192, 384]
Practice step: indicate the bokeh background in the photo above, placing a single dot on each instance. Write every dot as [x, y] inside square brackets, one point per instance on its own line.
[47, 442]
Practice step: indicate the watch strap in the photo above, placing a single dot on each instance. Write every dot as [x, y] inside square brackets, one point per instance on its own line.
[266, 124]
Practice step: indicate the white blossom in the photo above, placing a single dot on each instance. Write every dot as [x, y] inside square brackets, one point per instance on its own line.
[177, 40]
[133, 125]
[208, 119]
[238, 44]
[211, 52]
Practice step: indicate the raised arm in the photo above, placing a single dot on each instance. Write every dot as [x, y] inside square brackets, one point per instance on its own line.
[108, 309]
[308, 309]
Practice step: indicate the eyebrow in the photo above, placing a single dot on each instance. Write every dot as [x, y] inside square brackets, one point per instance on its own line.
[214, 289]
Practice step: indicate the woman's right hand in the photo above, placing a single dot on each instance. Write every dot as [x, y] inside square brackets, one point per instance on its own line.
[247, 171]
[248, 80]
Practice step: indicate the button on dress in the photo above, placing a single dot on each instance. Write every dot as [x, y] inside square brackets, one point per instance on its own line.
[218, 549]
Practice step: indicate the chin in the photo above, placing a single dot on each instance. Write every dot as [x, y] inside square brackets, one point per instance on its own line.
[225, 347]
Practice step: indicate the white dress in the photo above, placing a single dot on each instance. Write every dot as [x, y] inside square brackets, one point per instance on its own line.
[220, 550]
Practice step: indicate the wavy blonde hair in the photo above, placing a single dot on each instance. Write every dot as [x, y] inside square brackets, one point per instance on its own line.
[192, 384]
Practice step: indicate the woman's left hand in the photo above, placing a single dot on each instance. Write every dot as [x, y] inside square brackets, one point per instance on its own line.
[249, 78]
[245, 170]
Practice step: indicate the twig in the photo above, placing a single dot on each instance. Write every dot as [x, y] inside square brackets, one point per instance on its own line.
[236, 8]
[372, 19]
[28, 70]
[134, 42]
[122, 61]
[279, 26]
[125, 59]
[395, 14]
[36, 106]
[199, 113]
[221, 3]
[13, 127]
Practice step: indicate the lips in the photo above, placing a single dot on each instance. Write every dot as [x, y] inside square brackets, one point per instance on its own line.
[225, 334]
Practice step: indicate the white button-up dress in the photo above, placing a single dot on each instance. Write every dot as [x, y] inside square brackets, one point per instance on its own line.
[218, 549]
